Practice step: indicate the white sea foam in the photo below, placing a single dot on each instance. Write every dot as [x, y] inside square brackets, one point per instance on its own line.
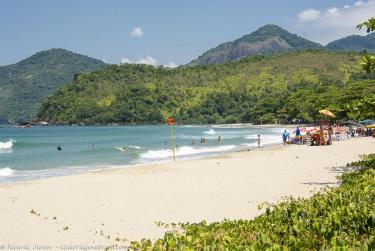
[7, 145]
[210, 132]
[234, 126]
[10, 175]
[252, 136]
[265, 139]
[185, 151]
[126, 148]
[6, 172]
[135, 147]
[191, 126]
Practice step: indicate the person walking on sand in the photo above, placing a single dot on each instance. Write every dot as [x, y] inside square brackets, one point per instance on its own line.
[285, 137]
[258, 140]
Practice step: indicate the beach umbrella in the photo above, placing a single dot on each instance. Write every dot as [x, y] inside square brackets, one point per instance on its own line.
[371, 126]
[327, 113]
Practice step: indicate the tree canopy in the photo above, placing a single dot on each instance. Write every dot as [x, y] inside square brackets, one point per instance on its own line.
[259, 89]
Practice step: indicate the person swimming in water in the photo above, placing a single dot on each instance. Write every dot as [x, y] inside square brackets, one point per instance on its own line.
[59, 147]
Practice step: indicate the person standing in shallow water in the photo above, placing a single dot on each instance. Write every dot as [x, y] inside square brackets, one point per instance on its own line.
[285, 137]
[258, 140]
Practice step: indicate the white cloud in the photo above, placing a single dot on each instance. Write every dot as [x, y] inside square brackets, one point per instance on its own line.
[332, 12]
[125, 61]
[308, 15]
[147, 60]
[170, 65]
[336, 22]
[143, 60]
[136, 32]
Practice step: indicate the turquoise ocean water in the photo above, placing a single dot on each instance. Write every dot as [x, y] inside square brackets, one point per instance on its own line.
[30, 153]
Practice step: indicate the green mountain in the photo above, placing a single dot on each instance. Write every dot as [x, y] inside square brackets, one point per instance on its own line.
[267, 39]
[25, 84]
[354, 43]
[278, 87]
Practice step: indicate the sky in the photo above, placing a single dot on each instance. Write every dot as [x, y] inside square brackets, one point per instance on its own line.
[163, 32]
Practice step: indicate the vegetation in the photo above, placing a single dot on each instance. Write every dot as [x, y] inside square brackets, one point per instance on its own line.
[24, 85]
[365, 107]
[260, 89]
[369, 24]
[354, 43]
[368, 61]
[341, 218]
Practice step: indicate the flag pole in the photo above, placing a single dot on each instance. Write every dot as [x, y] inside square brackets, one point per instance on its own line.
[172, 140]
[170, 122]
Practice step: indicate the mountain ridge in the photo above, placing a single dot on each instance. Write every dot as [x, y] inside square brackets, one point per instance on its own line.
[272, 38]
[354, 43]
[267, 39]
[23, 85]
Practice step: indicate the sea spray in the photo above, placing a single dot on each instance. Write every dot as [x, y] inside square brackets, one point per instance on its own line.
[185, 151]
[210, 132]
[6, 172]
[265, 139]
[6, 145]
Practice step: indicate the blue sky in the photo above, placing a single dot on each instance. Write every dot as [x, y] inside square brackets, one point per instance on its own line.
[162, 32]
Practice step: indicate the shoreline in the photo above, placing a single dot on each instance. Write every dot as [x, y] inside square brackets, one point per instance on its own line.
[240, 125]
[125, 203]
[83, 170]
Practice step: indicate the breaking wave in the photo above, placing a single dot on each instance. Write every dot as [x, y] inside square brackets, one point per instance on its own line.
[6, 172]
[210, 132]
[185, 151]
[7, 145]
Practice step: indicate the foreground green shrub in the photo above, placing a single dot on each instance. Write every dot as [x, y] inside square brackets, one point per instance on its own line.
[341, 218]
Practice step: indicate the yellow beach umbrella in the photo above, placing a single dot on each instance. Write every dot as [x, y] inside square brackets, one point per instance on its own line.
[328, 113]
[371, 126]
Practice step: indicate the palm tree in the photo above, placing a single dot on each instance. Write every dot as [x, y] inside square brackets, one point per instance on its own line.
[368, 63]
[369, 24]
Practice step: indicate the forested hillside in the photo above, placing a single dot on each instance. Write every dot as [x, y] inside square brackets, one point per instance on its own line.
[25, 84]
[354, 43]
[275, 88]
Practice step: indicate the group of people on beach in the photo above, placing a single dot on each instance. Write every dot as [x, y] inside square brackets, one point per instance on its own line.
[326, 133]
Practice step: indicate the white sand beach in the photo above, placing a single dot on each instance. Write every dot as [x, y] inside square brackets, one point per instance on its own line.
[125, 203]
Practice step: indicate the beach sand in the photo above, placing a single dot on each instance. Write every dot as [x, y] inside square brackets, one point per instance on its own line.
[98, 207]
